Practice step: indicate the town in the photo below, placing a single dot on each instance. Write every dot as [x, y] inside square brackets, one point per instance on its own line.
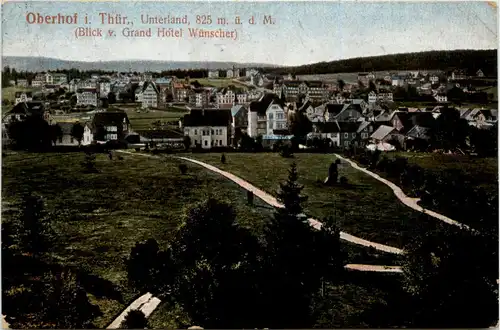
[164, 199]
[388, 110]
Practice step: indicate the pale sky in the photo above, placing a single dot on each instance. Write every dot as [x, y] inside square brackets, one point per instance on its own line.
[304, 32]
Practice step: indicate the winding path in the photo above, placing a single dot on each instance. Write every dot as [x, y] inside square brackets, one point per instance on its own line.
[408, 201]
[145, 303]
[269, 199]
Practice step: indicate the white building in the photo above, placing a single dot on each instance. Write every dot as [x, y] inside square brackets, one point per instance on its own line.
[276, 118]
[372, 97]
[67, 139]
[441, 98]
[22, 82]
[229, 73]
[86, 96]
[23, 97]
[104, 88]
[213, 74]
[208, 128]
[150, 95]
[236, 73]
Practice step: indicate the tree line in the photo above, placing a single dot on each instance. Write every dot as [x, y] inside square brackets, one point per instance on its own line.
[472, 60]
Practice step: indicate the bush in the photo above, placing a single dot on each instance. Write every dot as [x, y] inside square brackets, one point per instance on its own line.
[135, 319]
[343, 181]
[286, 152]
[223, 159]
[183, 168]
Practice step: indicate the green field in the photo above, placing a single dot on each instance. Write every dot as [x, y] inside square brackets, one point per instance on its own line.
[8, 93]
[220, 82]
[366, 208]
[482, 171]
[99, 217]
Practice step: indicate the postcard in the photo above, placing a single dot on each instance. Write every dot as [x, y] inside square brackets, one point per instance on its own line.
[249, 164]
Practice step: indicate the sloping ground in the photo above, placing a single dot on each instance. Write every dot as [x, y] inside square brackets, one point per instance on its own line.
[99, 217]
[365, 208]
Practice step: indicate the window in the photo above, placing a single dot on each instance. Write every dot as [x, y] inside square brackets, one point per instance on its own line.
[271, 116]
[195, 132]
[353, 135]
[220, 142]
[346, 135]
[206, 143]
[212, 131]
[71, 140]
[270, 125]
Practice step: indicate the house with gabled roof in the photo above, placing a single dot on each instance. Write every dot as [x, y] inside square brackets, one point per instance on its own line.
[208, 128]
[404, 121]
[150, 94]
[21, 97]
[110, 125]
[326, 130]
[385, 134]
[266, 115]
[67, 139]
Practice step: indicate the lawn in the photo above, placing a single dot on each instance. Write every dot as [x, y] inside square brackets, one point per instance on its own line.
[99, 217]
[366, 208]
[221, 82]
[8, 93]
[482, 171]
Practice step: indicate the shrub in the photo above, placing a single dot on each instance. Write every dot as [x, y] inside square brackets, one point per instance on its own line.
[183, 168]
[343, 181]
[286, 152]
[223, 159]
[135, 319]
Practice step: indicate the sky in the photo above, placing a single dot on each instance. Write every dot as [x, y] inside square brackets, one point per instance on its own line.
[303, 32]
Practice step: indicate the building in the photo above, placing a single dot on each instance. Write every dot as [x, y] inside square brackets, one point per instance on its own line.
[236, 73]
[86, 96]
[213, 74]
[258, 115]
[458, 75]
[22, 83]
[180, 92]
[207, 128]
[225, 99]
[479, 73]
[441, 98]
[150, 95]
[229, 73]
[199, 98]
[104, 87]
[315, 90]
[364, 78]
[67, 139]
[110, 125]
[23, 97]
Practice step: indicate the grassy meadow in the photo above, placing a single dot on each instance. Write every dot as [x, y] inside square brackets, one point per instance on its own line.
[99, 217]
[365, 208]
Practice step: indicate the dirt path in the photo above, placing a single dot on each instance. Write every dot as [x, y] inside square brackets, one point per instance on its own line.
[145, 303]
[408, 201]
[269, 199]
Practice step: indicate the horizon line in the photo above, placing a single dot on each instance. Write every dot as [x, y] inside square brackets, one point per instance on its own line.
[269, 64]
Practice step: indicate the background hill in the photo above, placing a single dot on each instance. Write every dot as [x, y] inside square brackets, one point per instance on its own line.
[486, 60]
[35, 64]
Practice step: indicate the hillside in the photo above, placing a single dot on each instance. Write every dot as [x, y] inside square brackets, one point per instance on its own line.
[35, 64]
[486, 60]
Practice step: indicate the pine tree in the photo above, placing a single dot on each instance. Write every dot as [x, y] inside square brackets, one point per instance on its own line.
[289, 194]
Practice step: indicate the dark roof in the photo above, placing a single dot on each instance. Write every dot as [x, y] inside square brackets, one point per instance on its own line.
[423, 119]
[261, 105]
[208, 118]
[328, 127]
[109, 118]
[146, 85]
[348, 126]
[334, 109]
[34, 107]
[88, 90]
[160, 134]
[314, 83]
